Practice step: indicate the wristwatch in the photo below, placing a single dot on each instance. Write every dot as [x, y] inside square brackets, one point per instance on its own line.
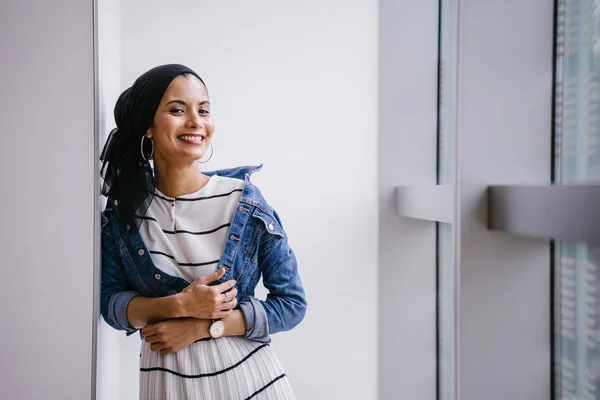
[217, 328]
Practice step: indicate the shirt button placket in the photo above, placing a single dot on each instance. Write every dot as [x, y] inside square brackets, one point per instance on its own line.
[173, 216]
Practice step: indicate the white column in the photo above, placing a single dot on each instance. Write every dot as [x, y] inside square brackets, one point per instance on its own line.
[47, 212]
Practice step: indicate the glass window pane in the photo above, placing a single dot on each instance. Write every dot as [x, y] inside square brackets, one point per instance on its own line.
[446, 92]
[446, 313]
[576, 274]
[446, 270]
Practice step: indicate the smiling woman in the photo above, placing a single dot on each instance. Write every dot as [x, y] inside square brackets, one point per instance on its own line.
[182, 128]
[183, 251]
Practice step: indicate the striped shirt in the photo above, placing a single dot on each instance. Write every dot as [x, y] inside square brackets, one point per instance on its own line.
[186, 235]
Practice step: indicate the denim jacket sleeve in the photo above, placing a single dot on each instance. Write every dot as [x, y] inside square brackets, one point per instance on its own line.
[116, 291]
[285, 305]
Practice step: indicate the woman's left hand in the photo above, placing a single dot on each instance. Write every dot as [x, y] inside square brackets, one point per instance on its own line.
[173, 335]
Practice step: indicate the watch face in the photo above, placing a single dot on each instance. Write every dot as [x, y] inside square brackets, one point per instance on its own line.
[217, 329]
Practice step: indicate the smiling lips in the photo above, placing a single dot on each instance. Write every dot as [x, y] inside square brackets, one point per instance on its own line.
[193, 139]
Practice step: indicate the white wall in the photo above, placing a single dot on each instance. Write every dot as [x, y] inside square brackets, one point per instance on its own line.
[47, 175]
[293, 86]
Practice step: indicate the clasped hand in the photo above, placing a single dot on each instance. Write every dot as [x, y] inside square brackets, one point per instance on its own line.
[200, 302]
[173, 335]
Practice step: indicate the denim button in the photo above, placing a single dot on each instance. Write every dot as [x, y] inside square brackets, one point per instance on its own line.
[128, 228]
[271, 226]
[157, 276]
[116, 203]
[141, 252]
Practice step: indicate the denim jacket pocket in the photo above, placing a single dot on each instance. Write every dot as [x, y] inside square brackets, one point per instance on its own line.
[261, 228]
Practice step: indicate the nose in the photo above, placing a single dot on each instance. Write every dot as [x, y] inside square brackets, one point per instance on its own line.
[194, 120]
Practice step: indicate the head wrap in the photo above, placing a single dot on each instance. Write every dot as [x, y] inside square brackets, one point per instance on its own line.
[128, 177]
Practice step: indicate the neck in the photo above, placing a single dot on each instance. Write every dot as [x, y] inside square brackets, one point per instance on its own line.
[175, 181]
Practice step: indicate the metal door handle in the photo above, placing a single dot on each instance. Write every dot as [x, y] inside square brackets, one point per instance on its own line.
[431, 203]
[562, 212]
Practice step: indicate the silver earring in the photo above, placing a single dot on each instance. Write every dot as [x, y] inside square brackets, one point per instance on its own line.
[142, 149]
[212, 150]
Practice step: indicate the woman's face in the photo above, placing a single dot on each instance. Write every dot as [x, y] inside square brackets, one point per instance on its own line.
[182, 127]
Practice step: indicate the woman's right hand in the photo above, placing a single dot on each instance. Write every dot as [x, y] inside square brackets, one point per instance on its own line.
[199, 300]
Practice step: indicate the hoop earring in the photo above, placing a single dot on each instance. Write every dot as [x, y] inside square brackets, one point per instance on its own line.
[142, 149]
[212, 151]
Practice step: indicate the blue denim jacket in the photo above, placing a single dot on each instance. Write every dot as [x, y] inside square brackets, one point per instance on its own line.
[256, 245]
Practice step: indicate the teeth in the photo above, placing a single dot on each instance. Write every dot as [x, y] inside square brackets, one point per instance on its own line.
[191, 138]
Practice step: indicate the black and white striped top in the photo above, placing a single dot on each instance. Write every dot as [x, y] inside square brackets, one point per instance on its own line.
[186, 235]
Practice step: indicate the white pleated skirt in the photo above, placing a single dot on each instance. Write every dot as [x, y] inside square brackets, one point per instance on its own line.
[229, 368]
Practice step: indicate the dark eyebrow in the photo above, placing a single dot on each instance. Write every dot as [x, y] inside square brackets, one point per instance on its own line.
[183, 102]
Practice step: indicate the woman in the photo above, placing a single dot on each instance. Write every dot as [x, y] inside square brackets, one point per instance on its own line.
[182, 251]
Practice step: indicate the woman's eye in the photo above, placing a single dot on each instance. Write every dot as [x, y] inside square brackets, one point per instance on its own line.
[176, 110]
[201, 111]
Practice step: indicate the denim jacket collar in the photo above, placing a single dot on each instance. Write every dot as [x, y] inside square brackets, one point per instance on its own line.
[242, 172]
[250, 195]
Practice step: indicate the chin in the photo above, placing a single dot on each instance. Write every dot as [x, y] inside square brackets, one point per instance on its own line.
[197, 157]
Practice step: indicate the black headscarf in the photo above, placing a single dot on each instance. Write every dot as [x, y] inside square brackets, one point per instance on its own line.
[127, 175]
